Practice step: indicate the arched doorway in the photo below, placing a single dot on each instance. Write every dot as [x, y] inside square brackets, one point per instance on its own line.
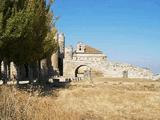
[82, 71]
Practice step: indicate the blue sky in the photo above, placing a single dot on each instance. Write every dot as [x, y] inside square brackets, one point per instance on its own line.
[125, 30]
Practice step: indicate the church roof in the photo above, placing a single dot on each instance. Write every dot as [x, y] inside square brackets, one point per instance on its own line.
[91, 50]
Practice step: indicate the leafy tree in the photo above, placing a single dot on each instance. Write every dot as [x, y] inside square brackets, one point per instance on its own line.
[25, 31]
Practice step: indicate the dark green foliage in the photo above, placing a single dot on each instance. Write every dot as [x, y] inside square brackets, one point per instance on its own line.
[25, 31]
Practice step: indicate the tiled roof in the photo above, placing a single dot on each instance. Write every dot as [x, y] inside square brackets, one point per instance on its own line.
[90, 50]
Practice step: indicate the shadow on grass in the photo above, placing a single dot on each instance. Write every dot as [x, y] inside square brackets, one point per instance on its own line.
[43, 89]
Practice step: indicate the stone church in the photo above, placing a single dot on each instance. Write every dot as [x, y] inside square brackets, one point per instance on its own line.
[78, 62]
[75, 62]
[84, 57]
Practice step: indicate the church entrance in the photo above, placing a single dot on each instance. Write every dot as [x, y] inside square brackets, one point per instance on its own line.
[83, 71]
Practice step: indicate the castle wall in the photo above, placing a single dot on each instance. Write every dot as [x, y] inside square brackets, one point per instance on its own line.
[57, 57]
[118, 69]
[54, 64]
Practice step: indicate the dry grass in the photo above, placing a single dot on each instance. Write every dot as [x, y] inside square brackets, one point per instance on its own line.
[108, 99]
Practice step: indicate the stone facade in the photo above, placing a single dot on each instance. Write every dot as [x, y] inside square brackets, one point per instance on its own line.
[77, 61]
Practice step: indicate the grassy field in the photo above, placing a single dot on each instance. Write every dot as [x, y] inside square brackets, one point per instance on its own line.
[105, 99]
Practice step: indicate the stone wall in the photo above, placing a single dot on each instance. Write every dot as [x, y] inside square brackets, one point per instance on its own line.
[118, 69]
[156, 77]
[99, 63]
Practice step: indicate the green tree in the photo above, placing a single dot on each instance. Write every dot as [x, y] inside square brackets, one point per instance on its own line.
[26, 35]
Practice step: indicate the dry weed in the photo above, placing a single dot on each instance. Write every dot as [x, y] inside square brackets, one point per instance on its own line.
[109, 100]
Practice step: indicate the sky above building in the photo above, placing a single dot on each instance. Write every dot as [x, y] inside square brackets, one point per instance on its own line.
[125, 30]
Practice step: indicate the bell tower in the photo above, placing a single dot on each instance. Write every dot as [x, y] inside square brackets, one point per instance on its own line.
[80, 48]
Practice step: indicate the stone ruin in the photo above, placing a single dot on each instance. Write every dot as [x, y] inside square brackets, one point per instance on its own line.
[84, 57]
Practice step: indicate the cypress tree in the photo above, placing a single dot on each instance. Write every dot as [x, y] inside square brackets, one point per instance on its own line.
[26, 33]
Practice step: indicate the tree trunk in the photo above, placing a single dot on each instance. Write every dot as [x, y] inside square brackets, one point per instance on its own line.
[18, 74]
[30, 73]
[9, 71]
[38, 70]
[5, 72]
[1, 70]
